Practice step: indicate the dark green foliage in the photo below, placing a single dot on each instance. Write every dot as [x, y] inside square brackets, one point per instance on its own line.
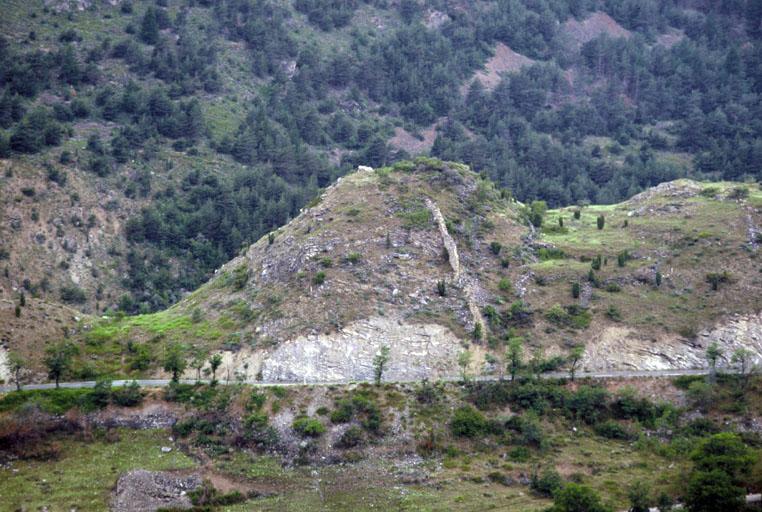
[717, 278]
[359, 406]
[588, 404]
[127, 396]
[572, 316]
[622, 258]
[318, 278]
[206, 497]
[550, 253]
[351, 438]
[713, 490]
[327, 14]
[442, 288]
[308, 427]
[577, 498]
[575, 290]
[577, 214]
[495, 247]
[612, 430]
[600, 221]
[547, 483]
[722, 464]
[58, 359]
[639, 495]
[174, 361]
[468, 422]
[72, 294]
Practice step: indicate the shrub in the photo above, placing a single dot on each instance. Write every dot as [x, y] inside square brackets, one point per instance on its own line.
[319, 278]
[495, 247]
[351, 437]
[343, 413]
[442, 288]
[571, 316]
[257, 400]
[128, 396]
[546, 483]
[256, 420]
[613, 313]
[504, 285]
[577, 498]
[717, 278]
[600, 221]
[353, 258]
[360, 405]
[550, 253]
[72, 294]
[587, 404]
[308, 427]
[576, 289]
[612, 430]
[468, 422]
[739, 193]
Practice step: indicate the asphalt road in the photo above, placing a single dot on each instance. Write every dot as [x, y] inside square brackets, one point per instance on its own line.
[157, 383]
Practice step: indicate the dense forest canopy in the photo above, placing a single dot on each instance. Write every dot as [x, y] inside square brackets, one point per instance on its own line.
[673, 89]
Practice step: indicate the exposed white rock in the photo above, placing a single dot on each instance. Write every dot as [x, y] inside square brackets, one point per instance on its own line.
[621, 348]
[5, 373]
[416, 351]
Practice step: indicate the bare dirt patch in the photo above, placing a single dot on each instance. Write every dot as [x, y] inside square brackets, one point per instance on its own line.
[413, 145]
[580, 32]
[504, 60]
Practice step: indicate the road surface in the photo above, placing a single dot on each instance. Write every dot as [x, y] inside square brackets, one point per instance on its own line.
[157, 383]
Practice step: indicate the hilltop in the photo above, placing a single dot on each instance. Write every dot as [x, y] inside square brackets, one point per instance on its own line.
[417, 255]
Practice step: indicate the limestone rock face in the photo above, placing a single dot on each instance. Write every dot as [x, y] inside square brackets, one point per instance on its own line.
[622, 348]
[416, 351]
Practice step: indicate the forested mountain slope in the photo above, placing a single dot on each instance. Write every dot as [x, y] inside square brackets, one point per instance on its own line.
[146, 143]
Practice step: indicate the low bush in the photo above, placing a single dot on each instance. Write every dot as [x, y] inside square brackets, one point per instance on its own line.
[351, 438]
[468, 422]
[128, 396]
[308, 427]
[612, 430]
[547, 483]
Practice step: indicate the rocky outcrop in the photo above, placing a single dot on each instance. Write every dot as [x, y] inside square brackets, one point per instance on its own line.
[459, 277]
[449, 242]
[416, 351]
[621, 348]
[146, 491]
[5, 374]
